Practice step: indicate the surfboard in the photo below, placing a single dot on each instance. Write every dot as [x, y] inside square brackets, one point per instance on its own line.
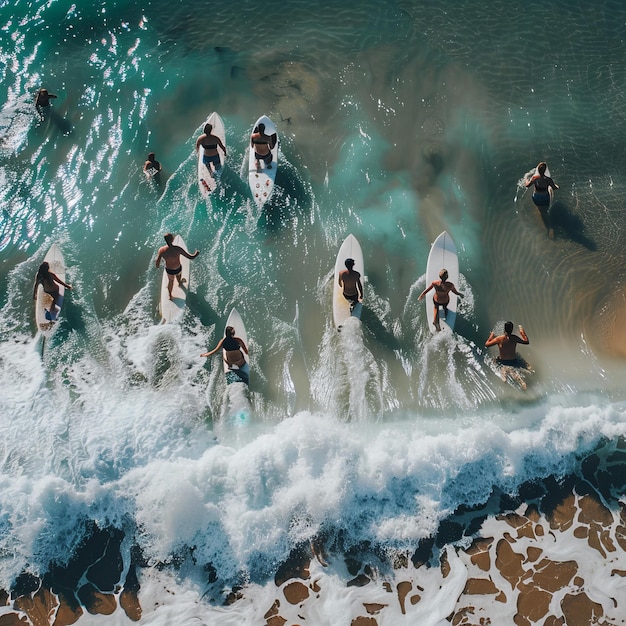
[207, 180]
[47, 321]
[442, 255]
[342, 310]
[261, 179]
[237, 374]
[172, 309]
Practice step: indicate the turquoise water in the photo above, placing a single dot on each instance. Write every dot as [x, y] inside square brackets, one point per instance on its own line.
[397, 121]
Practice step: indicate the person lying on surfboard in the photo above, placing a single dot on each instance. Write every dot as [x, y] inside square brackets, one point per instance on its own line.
[232, 347]
[350, 280]
[541, 194]
[209, 142]
[507, 344]
[262, 145]
[442, 288]
[171, 255]
[49, 281]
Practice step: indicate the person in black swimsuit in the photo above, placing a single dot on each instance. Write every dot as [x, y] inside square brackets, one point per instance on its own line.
[49, 281]
[42, 100]
[350, 281]
[541, 194]
[171, 255]
[262, 145]
[209, 142]
[442, 288]
[232, 347]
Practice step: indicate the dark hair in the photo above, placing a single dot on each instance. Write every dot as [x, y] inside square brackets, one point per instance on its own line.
[169, 238]
[44, 269]
[151, 156]
[229, 332]
[208, 128]
[442, 273]
[541, 168]
[508, 327]
[349, 263]
[261, 128]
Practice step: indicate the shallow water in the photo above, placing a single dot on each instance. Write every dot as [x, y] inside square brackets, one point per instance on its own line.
[396, 121]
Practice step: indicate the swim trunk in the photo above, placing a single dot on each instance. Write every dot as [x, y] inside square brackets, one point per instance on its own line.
[54, 294]
[510, 362]
[541, 199]
[215, 159]
[438, 304]
[353, 299]
[263, 157]
[174, 272]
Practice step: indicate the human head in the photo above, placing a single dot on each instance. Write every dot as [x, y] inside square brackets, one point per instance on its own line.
[169, 238]
[541, 168]
[43, 90]
[508, 327]
[261, 128]
[44, 268]
[208, 128]
[349, 263]
[151, 156]
[443, 274]
[229, 332]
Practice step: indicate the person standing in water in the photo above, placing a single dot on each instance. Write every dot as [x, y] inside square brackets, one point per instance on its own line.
[50, 281]
[209, 143]
[152, 167]
[442, 288]
[350, 281]
[171, 255]
[507, 343]
[541, 194]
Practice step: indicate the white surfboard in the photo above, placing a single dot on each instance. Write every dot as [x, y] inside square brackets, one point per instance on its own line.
[350, 249]
[237, 374]
[47, 321]
[442, 255]
[172, 309]
[207, 180]
[261, 179]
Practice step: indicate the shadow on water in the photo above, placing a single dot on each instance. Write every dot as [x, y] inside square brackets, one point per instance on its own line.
[63, 125]
[569, 225]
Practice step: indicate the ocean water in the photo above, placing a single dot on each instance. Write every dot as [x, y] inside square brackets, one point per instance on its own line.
[397, 120]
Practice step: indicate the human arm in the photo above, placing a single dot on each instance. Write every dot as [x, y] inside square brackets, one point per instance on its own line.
[199, 142]
[492, 340]
[58, 280]
[159, 256]
[189, 256]
[221, 145]
[425, 291]
[242, 344]
[359, 286]
[523, 335]
[552, 184]
[458, 293]
[218, 347]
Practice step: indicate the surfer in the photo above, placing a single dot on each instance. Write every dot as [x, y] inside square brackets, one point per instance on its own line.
[232, 347]
[442, 288]
[507, 344]
[171, 255]
[152, 167]
[49, 281]
[210, 142]
[350, 280]
[541, 194]
[262, 145]
[42, 100]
